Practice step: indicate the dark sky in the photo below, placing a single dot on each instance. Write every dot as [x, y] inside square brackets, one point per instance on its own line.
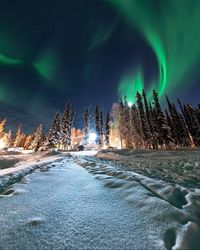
[51, 51]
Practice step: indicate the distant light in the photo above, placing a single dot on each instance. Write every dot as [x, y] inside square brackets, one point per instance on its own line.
[130, 104]
[92, 137]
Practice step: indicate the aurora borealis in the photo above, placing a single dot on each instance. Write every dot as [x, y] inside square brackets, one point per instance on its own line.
[172, 30]
[93, 51]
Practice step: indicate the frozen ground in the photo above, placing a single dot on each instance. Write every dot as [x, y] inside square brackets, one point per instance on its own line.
[179, 167]
[87, 204]
[14, 166]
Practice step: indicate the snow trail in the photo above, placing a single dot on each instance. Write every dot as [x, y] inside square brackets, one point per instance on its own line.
[78, 204]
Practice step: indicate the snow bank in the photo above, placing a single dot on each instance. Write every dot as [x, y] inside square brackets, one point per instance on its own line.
[182, 167]
[19, 166]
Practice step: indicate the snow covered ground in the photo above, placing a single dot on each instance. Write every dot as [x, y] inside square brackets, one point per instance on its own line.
[178, 167]
[84, 153]
[186, 202]
[83, 202]
[14, 166]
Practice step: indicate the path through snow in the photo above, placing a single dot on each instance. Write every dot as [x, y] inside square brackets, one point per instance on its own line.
[78, 204]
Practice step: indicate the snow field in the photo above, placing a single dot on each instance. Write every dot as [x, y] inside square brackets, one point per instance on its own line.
[185, 234]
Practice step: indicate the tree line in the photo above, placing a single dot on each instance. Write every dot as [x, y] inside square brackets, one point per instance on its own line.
[143, 125]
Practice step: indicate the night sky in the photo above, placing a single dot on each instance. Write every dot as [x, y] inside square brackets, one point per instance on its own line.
[92, 51]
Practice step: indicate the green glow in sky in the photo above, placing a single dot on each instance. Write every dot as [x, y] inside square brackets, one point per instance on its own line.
[101, 34]
[172, 30]
[9, 61]
[46, 64]
[131, 84]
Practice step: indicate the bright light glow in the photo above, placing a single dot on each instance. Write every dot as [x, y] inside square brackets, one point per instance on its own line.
[130, 104]
[92, 137]
[2, 144]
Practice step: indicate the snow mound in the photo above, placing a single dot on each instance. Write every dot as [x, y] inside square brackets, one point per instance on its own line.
[188, 236]
[25, 165]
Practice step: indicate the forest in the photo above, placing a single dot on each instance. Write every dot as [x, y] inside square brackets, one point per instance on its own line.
[142, 125]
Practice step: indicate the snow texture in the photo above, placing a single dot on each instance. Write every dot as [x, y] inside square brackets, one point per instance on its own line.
[186, 202]
[178, 167]
[14, 167]
[64, 206]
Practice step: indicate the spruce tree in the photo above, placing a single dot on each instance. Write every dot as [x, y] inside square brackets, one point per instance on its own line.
[54, 135]
[37, 138]
[107, 129]
[164, 131]
[148, 113]
[193, 123]
[125, 123]
[147, 136]
[28, 142]
[87, 124]
[19, 136]
[101, 129]
[66, 125]
[97, 123]
[179, 131]
[122, 131]
[136, 129]
[8, 139]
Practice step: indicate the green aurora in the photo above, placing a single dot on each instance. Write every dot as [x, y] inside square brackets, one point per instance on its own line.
[126, 86]
[172, 30]
[78, 51]
[8, 61]
[46, 65]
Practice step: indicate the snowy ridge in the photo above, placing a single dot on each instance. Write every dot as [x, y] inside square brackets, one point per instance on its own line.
[14, 174]
[186, 203]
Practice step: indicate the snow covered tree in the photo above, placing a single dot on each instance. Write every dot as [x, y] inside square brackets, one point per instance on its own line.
[87, 124]
[66, 125]
[164, 132]
[193, 123]
[19, 138]
[178, 128]
[2, 127]
[147, 126]
[8, 139]
[149, 119]
[136, 128]
[28, 142]
[54, 135]
[124, 122]
[147, 136]
[107, 129]
[97, 123]
[37, 138]
[101, 129]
